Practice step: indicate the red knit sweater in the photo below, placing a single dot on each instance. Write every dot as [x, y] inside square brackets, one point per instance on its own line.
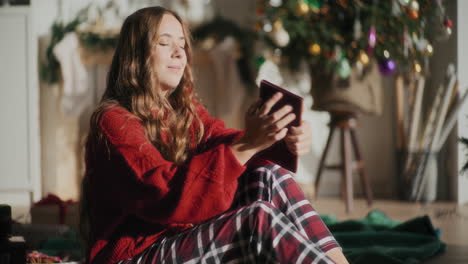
[135, 195]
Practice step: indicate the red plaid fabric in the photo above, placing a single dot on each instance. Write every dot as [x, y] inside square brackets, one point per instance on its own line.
[270, 221]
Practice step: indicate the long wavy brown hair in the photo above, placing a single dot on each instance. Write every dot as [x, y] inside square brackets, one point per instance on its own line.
[133, 85]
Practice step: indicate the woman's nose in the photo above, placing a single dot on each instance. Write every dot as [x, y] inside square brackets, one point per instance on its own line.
[177, 51]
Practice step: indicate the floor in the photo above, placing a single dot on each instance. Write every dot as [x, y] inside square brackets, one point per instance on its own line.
[451, 218]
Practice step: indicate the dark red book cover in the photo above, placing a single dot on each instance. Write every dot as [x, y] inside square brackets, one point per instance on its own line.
[279, 152]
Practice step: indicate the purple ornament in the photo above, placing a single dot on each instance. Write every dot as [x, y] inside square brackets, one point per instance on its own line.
[387, 67]
[372, 36]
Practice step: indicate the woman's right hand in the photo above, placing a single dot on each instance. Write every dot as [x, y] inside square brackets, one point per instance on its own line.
[263, 128]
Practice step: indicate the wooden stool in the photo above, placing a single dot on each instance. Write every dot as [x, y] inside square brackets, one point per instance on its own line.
[346, 122]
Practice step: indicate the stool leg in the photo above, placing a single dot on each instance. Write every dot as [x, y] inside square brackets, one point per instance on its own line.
[362, 170]
[322, 160]
[347, 167]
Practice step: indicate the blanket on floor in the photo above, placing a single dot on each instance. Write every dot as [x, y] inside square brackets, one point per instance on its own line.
[379, 239]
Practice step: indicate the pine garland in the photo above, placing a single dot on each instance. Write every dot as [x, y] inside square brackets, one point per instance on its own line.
[50, 69]
[220, 28]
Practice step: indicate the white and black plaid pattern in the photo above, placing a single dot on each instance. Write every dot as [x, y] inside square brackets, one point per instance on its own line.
[270, 221]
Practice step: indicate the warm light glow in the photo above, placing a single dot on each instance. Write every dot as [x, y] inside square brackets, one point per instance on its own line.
[386, 54]
[314, 49]
[363, 58]
[429, 49]
[302, 8]
[417, 67]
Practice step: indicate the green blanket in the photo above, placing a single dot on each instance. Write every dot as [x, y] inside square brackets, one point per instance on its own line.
[378, 239]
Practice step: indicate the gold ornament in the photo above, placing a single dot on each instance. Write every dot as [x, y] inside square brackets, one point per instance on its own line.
[277, 25]
[417, 67]
[314, 49]
[363, 58]
[302, 8]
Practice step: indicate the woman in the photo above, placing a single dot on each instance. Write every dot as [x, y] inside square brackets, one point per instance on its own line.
[165, 182]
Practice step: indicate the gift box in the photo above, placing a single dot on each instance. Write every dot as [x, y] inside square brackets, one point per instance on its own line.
[53, 210]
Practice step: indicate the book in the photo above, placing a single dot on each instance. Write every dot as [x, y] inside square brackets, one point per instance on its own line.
[278, 152]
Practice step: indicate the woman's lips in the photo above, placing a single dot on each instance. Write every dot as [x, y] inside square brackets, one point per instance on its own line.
[176, 68]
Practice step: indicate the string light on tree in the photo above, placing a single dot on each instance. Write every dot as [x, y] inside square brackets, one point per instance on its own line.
[393, 33]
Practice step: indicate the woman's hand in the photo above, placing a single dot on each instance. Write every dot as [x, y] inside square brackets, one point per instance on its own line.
[262, 129]
[299, 139]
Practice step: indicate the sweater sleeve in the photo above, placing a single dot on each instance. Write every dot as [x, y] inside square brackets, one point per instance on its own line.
[164, 192]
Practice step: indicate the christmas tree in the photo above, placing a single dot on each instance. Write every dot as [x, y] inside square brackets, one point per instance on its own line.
[335, 36]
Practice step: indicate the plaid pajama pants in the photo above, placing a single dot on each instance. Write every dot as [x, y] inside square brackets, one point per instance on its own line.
[270, 221]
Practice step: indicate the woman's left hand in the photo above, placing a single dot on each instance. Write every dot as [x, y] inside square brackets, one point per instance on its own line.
[299, 139]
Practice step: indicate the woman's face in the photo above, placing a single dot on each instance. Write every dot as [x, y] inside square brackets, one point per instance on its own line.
[170, 54]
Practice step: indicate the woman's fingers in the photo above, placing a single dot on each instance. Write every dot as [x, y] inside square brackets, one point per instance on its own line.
[283, 122]
[299, 149]
[297, 138]
[274, 117]
[254, 107]
[265, 109]
[281, 134]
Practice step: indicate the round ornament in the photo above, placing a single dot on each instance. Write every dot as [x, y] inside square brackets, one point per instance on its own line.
[302, 8]
[414, 5]
[387, 67]
[344, 69]
[314, 49]
[363, 58]
[281, 37]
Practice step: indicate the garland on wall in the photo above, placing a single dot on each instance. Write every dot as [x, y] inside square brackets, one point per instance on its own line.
[103, 41]
[217, 30]
[49, 71]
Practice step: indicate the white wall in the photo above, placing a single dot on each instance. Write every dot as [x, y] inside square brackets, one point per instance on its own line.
[376, 132]
[462, 43]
